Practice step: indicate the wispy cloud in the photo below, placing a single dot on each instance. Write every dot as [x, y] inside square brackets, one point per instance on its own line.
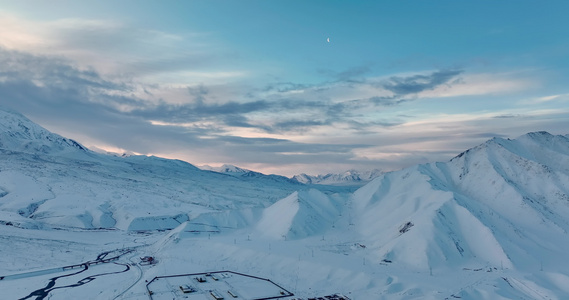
[114, 85]
[354, 74]
[120, 49]
[547, 99]
[340, 105]
[415, 84]
[482, 84]
[88, 106]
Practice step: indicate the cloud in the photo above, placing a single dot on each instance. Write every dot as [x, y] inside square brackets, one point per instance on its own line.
[346, 94]
[51, 71]
[199, 111]
[508, 116]
[286, 87]
[83, 104]
[415, 84]
[57, 81]
[349, 104]
[388, 101]
[482, 84]
[42, 77]
[350, 119]
[354, 74]
[118, 48]
[199, 93]
[546, 99]
[299, 125]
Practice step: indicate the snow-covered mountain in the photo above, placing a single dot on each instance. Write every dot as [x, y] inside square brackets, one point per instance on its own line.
[347, 178]
[244, 173]
[501, 205]
[300, 215]
[17, 133]
[492, 223]
[226, 169]
[350, 177]
[48, 180]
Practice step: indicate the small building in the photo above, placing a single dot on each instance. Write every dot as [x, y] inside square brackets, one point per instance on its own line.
[232, 294]
[216, 295]
[212, 276]
[187, 288]
[147, 260]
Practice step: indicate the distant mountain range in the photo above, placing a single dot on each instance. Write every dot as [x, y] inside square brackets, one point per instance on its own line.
[348, 178]
[244, 173]
[226, 169]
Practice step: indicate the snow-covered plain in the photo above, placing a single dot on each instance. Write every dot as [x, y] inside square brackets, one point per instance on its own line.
[489, 224]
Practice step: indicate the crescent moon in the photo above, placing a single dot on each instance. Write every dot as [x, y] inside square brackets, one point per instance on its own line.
[328, 40]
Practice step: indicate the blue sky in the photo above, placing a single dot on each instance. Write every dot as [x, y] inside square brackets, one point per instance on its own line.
[257, 84]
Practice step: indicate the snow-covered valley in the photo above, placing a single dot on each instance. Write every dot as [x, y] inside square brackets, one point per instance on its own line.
[491, 223]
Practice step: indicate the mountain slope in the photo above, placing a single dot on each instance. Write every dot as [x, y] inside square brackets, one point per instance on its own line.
[299, 215]
[18, 133]
[502, 204]
[48, 180]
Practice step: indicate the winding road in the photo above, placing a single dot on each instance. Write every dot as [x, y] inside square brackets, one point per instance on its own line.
[134, 263]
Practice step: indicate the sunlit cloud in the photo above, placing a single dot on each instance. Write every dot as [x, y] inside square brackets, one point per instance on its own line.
[481, 84]
[120, 86]
[546, 99]
[119, 49]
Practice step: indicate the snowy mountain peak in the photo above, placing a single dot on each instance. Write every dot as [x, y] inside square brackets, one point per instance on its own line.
[18, 133]
[238, 172]
[226, 168]
[301, 214]
[349, 177]
[481, 207]
[544, 137]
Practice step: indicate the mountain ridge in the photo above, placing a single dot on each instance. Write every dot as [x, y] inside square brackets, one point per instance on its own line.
[490, 223]
[497, 187]
[238, 172]
[42, 172]
[18, 133]
[349, 177]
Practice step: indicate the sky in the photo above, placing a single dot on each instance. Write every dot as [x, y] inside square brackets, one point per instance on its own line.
[288, 87]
